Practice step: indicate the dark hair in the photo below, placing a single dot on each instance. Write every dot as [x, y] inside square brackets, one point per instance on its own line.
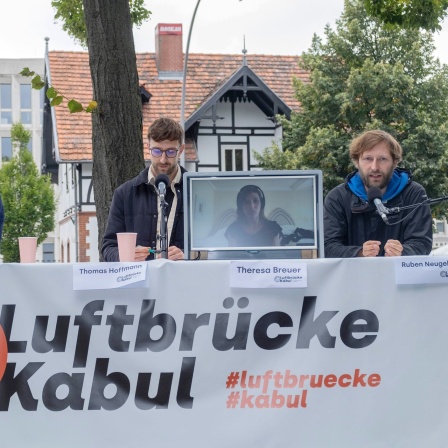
[166, 129]
[243, 193]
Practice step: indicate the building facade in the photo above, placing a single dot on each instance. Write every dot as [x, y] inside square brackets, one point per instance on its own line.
[231, 106]
[20, 103]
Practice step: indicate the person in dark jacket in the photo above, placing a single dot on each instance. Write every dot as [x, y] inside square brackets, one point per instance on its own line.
[252, 228]
[352, 225]
[136, 204]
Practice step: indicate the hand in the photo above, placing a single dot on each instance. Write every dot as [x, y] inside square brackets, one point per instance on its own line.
[393, 248]
[371, 248]
[141, 252]
[174, 253]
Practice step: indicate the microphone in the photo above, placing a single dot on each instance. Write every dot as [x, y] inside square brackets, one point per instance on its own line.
[162, 182]
[374, 195]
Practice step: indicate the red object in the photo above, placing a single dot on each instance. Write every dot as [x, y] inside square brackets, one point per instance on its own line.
[3, 352]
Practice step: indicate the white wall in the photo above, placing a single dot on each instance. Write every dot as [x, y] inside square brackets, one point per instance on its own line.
[247, 115]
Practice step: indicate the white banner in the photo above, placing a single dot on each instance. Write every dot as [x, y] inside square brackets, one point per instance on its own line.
[189, 361]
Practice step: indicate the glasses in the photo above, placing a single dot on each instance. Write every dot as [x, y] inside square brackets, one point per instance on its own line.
[170, 152]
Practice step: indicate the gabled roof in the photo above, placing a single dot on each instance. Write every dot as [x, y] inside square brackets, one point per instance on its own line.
[69, 72]
[243, 82]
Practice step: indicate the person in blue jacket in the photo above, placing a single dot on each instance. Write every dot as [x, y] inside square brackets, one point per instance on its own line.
[352, 225]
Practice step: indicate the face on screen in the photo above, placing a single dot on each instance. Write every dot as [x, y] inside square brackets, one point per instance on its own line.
[252, 206]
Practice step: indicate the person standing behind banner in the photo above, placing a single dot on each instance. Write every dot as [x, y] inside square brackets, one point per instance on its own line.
[353, 228]
[252, 228]
[135, 204]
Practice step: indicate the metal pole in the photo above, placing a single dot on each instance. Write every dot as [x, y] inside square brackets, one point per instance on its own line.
[184, 78]
[75, 174]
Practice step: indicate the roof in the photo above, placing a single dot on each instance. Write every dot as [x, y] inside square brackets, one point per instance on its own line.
[70, 74]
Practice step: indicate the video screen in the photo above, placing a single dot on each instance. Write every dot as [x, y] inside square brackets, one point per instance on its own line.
[252, 211]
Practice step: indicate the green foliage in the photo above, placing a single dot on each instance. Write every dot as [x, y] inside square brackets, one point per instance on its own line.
[20, 137]
[410, 14]
[326, 148]
[28, 197]
[57, 97]
[71, 14]
[274, 158]
[368, 76]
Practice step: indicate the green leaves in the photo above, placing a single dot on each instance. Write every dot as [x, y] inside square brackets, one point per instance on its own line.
[71, 14]
[20, 137]
[52, 95]
[409, 14]
[37, 83]
[56, 98]
[28, 197]
[366, 75]
[74, 106]
[91, 106]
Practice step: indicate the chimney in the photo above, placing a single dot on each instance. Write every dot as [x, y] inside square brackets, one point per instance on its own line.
[169, 55]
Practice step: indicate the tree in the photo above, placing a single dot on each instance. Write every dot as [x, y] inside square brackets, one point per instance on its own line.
[28, 197]
[117, 144]
[367, 76]
[410, 14]
[71, 13]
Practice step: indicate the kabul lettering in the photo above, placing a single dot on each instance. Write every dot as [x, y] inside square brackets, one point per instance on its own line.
[156, 332]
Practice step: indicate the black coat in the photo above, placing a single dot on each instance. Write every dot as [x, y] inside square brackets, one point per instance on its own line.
[349, 222]
[134, 209]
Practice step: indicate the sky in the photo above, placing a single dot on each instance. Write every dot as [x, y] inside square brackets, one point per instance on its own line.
[279, 27]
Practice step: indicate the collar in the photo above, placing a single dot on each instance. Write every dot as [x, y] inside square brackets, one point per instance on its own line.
[176, 180]
[400, 178]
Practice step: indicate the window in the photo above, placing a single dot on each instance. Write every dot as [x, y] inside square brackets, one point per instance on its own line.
[48, 252]
[25, 103]
[233, 158]
[30, 145]
[5, 104]
[440, 227]
[6, 149]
